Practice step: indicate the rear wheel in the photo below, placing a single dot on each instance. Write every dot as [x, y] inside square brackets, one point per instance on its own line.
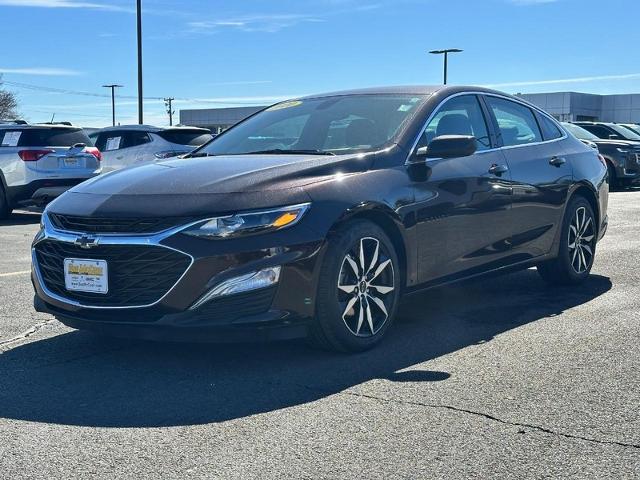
[5, 211]
[577, 246]
[358, 290]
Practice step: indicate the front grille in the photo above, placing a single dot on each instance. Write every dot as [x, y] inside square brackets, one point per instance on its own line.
[228, 309]
[138, 275]
[133, 225]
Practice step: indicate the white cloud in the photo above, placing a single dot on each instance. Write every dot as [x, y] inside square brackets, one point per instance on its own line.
[559, 81]
[63, 4]
[269, 23]
[44, 71]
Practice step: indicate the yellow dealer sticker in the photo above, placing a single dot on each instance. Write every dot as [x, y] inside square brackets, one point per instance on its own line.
[283, 105]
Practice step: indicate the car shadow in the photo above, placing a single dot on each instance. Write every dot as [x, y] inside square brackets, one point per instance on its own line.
[78, 378]
[21, 218]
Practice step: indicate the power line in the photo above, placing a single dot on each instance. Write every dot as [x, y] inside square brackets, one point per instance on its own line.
[66, 91]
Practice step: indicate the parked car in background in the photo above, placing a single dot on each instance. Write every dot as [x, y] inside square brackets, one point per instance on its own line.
[634, 127]
[622, 156]
[314, 216]
[127, 145]
[609, 131]
[38, 162]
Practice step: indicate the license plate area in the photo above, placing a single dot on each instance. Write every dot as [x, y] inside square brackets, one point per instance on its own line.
[86, 275]
[72, 162]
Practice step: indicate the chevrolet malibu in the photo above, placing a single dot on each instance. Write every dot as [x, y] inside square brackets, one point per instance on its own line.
[316, 215]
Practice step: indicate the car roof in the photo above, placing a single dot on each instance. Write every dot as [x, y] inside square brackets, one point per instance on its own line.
[412, 90]
[151, 128]
[13, 126]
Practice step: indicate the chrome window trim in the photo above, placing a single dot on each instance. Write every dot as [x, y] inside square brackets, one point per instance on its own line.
[507, 147]
[48, 233]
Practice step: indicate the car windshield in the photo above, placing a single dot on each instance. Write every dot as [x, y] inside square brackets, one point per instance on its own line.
[625, 133]
[580, 132]
[325, 126]
[634, 128]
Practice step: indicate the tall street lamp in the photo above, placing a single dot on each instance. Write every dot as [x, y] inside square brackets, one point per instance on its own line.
[139, 24]
[113, 100]
[446, 53]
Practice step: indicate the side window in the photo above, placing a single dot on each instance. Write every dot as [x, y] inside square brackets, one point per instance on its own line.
[516, 122]
[459, 116]
[598, 131]
[550, 130]
[134, 139]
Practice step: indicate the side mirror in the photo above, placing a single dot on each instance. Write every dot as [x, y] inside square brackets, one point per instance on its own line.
[449, 146]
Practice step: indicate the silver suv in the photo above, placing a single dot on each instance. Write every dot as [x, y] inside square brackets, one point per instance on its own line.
[39, 162]
[128, 145]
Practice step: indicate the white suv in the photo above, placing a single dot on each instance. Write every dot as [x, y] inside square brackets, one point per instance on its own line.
[39, 162]
[128, 145]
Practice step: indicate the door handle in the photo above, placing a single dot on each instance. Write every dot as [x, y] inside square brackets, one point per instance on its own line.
[557, 161]
[498, 169]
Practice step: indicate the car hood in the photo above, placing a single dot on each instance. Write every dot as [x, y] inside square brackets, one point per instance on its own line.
[616, 143]
[192, 186]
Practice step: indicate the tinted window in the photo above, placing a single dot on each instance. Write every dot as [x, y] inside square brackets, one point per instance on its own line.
[580, 132]
[340, 124]
[550, 130]
[50, 137]
[134, 139]
[598, 130]
[516, 122]
[625, 133]
[107, 141]
[458, 116]
[193, 138]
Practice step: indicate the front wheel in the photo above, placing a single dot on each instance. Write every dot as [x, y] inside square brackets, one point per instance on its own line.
[358, 290]
[577, 246]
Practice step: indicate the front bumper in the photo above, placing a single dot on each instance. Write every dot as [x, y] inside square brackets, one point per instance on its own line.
[280, 311]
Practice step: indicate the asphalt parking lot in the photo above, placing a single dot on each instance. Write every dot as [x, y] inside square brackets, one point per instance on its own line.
[501, 377]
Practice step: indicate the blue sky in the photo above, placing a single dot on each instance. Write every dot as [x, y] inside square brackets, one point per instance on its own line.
[220, 53]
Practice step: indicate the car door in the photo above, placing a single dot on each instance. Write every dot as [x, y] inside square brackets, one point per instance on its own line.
[540, 173]
[110, 144]
[462, 205]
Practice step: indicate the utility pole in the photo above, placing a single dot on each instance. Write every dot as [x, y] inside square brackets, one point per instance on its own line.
[170, 111]
[139, 21]
[446, 53]
[113, 100]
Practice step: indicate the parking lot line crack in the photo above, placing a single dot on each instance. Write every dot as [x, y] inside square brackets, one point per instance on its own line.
[26, 334]
[483, 415]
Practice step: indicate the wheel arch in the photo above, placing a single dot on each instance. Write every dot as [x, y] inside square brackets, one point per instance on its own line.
[389, 221]
[588, 192]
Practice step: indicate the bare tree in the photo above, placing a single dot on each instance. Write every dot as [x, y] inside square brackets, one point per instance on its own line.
[8, 104]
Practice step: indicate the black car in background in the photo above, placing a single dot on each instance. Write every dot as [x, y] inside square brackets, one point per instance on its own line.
[622, 156]
[314, 216]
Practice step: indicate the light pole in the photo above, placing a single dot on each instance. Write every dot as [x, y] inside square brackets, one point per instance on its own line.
[446, 53]
[139, 22]
[170, 111]
[113, 100]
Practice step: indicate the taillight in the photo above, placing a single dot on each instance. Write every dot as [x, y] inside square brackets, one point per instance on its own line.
[95, 152]
[33, 155]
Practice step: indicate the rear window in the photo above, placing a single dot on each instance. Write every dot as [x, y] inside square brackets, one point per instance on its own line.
[193, 138]
[43, 137]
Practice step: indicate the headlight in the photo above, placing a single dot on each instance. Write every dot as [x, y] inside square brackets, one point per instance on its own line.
[248, 223]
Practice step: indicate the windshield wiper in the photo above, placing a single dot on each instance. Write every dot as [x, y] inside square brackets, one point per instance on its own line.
[282, 151]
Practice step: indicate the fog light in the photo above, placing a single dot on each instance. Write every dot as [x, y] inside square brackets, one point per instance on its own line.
[243, 283]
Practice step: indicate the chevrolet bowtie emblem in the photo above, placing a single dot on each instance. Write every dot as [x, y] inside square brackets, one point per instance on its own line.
[86, 242]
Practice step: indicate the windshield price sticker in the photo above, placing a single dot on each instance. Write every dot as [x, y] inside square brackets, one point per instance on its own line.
[11, 139]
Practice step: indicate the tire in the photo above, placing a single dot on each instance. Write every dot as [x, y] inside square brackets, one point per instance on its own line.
[577, 246]
[353, 314]
[5, 211]
[613, 178]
